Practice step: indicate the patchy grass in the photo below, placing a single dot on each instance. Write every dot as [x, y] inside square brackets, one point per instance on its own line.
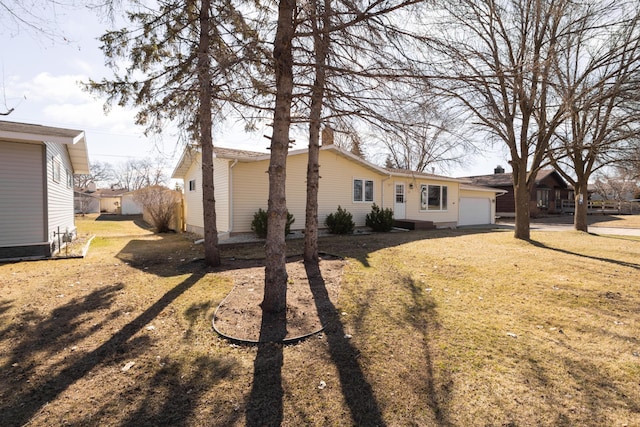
[469, 328]
[623, 221]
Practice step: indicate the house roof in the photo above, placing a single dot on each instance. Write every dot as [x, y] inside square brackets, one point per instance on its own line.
[73, 139]
[482, 188]
[190, 152]
[506, 179]
[108, 192]
[252, 156]
[414, 174]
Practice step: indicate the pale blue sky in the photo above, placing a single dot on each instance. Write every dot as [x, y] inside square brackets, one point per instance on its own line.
[39, 78]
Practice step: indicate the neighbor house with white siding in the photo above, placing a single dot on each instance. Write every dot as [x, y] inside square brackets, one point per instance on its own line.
[37, 164]
[242, 187]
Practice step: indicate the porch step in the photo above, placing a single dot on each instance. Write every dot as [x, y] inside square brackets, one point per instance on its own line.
[410, 224]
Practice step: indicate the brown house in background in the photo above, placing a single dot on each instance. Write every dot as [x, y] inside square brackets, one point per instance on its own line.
[546, 197]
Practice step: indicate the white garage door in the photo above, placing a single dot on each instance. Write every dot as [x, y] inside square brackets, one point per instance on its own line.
[474, 211]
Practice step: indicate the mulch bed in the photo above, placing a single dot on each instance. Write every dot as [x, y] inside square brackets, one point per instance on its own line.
[309, 296]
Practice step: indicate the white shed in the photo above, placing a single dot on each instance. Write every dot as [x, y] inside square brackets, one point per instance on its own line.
[129, 205]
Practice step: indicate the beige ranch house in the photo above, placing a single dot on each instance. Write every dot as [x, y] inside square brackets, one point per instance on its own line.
[242, 187]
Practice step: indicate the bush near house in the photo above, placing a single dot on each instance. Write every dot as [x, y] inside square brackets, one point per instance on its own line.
[160, 202]
[260, 220]
[380, 219]
[340, 222]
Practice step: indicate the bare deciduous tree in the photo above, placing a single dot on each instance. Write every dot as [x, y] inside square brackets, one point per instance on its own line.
[617, 184]
[100, 173]
[430, 137]
[37, 17]
[598, 72]
[495, 58]
[135, 174]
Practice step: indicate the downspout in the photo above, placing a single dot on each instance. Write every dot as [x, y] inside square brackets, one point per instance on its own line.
[231, 195]
[382, 191]
[45, 197]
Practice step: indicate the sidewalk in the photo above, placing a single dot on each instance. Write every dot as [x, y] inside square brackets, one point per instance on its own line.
[564, 226]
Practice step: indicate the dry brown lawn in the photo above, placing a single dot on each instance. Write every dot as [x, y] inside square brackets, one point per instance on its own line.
[436, 328]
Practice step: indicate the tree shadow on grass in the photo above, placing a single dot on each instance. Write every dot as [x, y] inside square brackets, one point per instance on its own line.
[5, 305]
[600, 393]
[595, 258]
[30, 399]
[174, 392]
[265, 407]
[357, 392]
[420, 313]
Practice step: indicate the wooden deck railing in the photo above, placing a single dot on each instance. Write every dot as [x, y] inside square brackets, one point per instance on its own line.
[603, 206]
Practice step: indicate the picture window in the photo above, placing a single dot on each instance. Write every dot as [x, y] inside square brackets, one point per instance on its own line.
[433, 197]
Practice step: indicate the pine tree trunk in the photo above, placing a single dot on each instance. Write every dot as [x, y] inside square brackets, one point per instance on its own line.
[275, 286]
[211, 251]
[320, 41]
[313, 185]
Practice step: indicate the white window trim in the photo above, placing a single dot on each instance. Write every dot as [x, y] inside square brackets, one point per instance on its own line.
[56, 169]
[434, 210]
[364, 190]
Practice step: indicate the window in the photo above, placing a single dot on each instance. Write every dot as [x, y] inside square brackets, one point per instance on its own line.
[55, 169]
[399, 193]
[192, 185]
[362, 190]
[543, 198]
[433, 197]
[69, 179]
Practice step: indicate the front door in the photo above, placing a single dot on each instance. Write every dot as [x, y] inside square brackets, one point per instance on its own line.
[399, 209]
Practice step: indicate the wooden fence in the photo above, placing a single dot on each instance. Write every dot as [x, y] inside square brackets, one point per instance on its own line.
[603, 207]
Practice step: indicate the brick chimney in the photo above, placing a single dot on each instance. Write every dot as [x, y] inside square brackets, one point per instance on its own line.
[327, 136]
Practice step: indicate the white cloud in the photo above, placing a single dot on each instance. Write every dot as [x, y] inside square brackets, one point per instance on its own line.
[60, 100]
[45, 87]
[84, 67]
[91, 115]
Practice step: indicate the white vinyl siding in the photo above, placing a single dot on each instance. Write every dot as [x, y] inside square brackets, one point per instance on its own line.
[221, 193]
[21, 194]
[194, 220]
[110, 204]
[59, 195]
[413, 195]
[251, 189]
[194, 215]
[250, 192]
